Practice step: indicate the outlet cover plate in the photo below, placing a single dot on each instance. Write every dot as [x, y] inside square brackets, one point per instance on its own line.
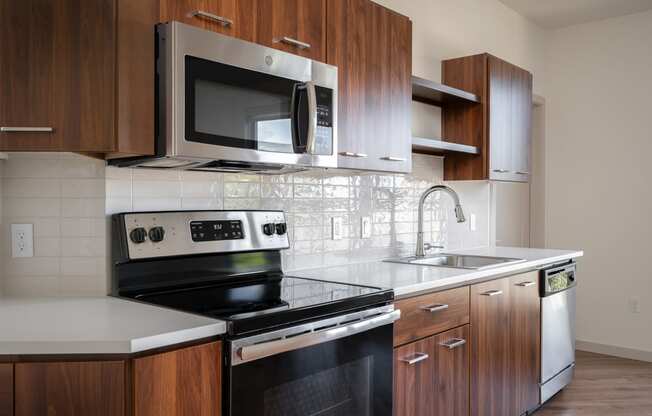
[365, 227]
[337, 228]
[22, 240]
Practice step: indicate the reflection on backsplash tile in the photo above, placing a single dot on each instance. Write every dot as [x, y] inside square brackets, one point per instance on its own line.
[68, 198]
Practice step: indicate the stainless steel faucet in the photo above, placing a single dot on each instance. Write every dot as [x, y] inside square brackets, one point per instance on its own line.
[459, 213]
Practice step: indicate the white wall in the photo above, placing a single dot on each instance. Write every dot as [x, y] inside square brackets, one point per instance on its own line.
[598, 189]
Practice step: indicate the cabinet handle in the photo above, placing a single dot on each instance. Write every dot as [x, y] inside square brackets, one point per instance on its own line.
[492, 293]
[210, 16]
[502, 170]
[453, 343]
[26, 129]
[435, 308]
[522, 173]
[294, 42]
[525, 284]
[415, 358]
[351, 154]
[393, 159]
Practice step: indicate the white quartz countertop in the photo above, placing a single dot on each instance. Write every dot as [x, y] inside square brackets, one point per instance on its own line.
[409, 280]
[97, 325]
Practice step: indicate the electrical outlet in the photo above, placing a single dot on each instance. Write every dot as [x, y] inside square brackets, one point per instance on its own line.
[22, 240]
[337, 228]
[635, 304]
[365, 227]
[473, 222]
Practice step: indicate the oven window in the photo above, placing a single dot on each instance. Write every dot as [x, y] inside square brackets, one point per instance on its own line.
[236, 107]
[348, 376]
[344, 390]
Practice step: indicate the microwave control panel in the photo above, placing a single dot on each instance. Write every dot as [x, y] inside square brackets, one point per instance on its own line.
[324, 133]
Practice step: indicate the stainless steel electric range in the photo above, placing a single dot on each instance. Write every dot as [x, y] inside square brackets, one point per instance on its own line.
[294, 346]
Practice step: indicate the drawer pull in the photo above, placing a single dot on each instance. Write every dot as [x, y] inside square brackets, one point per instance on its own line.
[501, 170]
[453, 343]
[415, 358]
[210, 16]
[492, 293]
[294, 42]
[26, 129]
[522, 173]
[435, 308]
[393, 159]
[525, 284]
[351, 154]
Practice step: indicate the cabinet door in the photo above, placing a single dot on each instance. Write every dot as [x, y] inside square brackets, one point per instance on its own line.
[231, 17]
[70, 388]
[183, 382]
[525, 335]
[295, 26]
[6, 389]
[372, 48]
[491, 383]
[521, 123]
[57, 75]
[431, 376]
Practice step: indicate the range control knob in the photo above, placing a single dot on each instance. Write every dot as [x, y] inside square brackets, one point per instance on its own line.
[269, 229]
[138, 235]
[281, 228]
[156, 234]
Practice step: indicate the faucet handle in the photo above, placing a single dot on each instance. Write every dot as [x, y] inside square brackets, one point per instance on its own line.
[428, 246]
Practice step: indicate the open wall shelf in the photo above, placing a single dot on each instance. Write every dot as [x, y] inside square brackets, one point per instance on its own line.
[434, 93]
[440, 148]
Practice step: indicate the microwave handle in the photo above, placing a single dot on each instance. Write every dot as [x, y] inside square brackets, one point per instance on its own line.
[312, 114]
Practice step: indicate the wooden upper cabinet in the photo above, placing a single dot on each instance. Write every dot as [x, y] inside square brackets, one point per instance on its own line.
[295, 26]
[57, 71]
[235, 18]
[500, 126]
[6, 390]
[372, 48]
[431, 376]
[70, 388]
[185, 382]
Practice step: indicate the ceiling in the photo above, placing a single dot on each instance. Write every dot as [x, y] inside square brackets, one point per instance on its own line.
[553, 14]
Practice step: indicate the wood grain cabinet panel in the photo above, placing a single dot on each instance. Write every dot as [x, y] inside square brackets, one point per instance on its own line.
[70, 388]
[425, 315]
[6, 389]
[57, 70]
[437, 383]
[185, 382]
[372, 49]
[295, 26]
[239, 16]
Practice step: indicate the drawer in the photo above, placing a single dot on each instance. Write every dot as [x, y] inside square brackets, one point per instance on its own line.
[426, 315]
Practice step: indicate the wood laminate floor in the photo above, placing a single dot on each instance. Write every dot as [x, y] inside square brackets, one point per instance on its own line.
[604, 386]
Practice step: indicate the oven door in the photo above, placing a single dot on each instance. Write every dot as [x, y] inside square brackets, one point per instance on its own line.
[340, 366]
[227, 99]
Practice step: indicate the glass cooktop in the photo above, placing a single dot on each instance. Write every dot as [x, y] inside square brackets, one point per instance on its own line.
[270, 301]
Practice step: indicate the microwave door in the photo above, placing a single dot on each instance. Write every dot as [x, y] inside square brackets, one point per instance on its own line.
[304, 117]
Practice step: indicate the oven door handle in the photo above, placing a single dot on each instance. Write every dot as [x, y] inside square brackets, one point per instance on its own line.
[267, 349]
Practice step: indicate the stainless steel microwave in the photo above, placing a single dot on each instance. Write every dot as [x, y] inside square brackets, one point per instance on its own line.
[225, 104]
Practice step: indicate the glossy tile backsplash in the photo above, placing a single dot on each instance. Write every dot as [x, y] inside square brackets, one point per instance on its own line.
[68, 198]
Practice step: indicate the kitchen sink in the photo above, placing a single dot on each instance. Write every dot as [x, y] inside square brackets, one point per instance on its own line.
[458, 261]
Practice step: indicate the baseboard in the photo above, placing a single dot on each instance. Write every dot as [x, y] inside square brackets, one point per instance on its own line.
[615, 351]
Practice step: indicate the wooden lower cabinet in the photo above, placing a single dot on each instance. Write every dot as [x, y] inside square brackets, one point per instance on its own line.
[431, 376]
[70, 388]
[6, 389]
[505, 316]
[185, 382]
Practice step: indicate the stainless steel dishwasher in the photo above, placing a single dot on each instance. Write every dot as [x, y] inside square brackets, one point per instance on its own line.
[558, 291]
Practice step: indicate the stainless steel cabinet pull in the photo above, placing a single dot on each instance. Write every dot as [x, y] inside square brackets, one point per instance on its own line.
[415, 358]
[525, 284]
[492, 293]
[435, 308]
[393, 159]
[522, 173]
[210, 16]
[351, 154]
[453, 343]
[501, 170]
[26, 129]
[294, 42]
